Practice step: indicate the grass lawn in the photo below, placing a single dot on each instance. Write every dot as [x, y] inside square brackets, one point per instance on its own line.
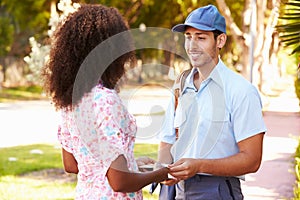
[21, 93]
[34, 172]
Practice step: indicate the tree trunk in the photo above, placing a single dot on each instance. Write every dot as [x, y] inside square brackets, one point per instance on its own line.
[3, 69]
[269, 65]
[255, 64]
[240, 37]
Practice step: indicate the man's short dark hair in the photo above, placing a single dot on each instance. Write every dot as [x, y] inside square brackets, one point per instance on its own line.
[217, 33]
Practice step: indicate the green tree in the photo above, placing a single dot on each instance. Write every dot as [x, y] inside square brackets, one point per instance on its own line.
[20, 20]
[289, 27]
[6, 37]
[30, 16]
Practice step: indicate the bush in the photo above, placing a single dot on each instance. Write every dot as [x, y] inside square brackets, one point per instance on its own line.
[297, 172]
[22, 93]
[297, 88]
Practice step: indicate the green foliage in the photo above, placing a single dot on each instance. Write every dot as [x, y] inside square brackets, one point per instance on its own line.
[20, 20]
[29, 18]
[153, 13]
[6, 35]
[297, 171]
[33, 89]
[297, 88]
[236, 8]
[28, 14]
[289, 28]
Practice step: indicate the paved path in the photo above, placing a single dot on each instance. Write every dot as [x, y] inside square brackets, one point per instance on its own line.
[28, 122]
[275, 178]
[36, 122]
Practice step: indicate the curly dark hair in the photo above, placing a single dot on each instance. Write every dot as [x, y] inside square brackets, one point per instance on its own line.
[80, 34]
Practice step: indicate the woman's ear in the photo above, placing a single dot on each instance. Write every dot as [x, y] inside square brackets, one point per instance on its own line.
[221, 40]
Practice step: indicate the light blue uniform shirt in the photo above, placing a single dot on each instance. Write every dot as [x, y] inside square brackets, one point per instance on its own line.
[224, 111]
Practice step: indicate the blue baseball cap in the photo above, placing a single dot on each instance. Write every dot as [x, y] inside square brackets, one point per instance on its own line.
[205, 18]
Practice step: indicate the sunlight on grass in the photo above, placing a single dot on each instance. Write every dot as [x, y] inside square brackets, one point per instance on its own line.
[148, 196]
[18, 165]
[21, 93]
[149, 150]
[21, 188]
[25, 161]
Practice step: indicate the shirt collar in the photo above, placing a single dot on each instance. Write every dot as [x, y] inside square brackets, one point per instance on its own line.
[214, 75]
[190, 77]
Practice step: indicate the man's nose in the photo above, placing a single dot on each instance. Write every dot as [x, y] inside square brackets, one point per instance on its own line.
[193, 44]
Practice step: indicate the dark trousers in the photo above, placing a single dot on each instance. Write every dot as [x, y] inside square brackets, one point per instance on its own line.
[202, 187]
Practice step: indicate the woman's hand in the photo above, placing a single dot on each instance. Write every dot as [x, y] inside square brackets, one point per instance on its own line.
[170, 181]
[123, 180]
[145, 162]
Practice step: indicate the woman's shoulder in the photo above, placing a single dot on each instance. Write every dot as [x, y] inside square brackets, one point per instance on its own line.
[105, 96]
[100, 91]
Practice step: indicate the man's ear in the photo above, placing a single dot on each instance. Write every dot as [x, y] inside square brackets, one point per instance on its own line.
[221, 40]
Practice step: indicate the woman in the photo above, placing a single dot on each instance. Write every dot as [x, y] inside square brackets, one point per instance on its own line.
[96, 133]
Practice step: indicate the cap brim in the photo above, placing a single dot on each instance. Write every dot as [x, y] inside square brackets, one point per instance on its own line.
[182, 27]
[179, 28]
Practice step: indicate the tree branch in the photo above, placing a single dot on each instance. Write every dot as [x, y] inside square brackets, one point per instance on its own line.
[224, 9]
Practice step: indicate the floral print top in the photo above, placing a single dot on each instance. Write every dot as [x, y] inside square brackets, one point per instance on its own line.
[96, 131]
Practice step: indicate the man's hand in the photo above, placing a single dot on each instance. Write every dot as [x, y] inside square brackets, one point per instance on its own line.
[184, 168]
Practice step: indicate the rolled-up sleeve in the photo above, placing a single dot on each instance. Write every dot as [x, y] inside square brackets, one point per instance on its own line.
[64, 136]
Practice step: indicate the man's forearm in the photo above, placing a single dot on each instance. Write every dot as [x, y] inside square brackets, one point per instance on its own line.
[164, 154]
[246, 161]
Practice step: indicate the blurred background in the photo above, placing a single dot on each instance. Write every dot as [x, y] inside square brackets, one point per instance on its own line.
[263, 37]
[263, 46]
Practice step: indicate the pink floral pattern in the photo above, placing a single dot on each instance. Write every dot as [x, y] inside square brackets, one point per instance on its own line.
[96, 132]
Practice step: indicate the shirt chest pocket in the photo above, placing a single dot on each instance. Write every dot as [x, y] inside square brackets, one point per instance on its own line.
[180, 116]
[218, 114]
[210, 114]
[183, 108]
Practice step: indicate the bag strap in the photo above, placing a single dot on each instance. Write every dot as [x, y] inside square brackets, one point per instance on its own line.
[178, 89]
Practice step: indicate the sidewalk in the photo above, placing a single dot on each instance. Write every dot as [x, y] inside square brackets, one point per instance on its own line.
[28, 122]
[275, 178]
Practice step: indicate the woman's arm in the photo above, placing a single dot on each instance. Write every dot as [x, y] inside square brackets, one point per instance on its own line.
[122, 180]
[69, 162]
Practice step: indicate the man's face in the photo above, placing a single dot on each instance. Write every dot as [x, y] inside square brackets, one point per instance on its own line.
[201, 47]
